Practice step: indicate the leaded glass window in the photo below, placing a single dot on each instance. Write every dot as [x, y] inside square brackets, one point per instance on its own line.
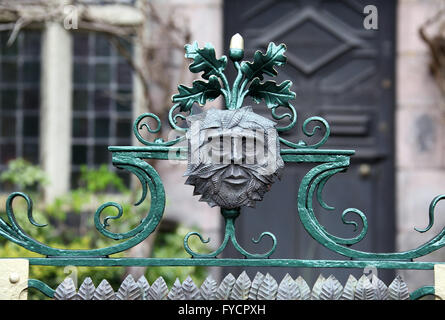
[19, 97]
[102, 102]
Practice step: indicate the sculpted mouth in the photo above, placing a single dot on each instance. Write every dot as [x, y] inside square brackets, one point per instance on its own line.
[235, 180]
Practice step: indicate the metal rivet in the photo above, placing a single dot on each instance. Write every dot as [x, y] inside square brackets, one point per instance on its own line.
[14, 277]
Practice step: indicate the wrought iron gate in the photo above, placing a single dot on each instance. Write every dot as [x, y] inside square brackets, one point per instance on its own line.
[243, 171]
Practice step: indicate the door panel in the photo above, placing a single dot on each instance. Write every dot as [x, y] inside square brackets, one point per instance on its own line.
[344, 73]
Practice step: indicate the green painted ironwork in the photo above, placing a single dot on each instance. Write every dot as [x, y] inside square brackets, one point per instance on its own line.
[42, 287]
[248, 82]
[423, 292]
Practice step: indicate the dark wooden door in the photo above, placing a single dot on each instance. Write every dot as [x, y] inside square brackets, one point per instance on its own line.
[344, 73]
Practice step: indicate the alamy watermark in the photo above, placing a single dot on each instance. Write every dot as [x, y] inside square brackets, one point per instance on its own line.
[71, 17]
[371, 21]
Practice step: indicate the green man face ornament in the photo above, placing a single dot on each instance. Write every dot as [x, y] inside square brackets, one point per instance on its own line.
[233, 158]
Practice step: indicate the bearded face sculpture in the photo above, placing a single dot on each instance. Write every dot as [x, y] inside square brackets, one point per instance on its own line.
[233, 157]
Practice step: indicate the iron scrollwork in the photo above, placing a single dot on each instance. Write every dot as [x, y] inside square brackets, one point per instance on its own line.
[249, 82]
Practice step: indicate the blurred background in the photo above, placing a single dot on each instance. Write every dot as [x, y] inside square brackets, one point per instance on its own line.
[75, 74]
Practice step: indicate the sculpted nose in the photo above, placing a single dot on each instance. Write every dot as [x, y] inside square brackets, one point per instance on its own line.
[235, 171]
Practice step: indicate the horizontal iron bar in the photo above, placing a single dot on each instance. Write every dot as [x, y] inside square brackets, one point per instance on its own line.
[294, 263]
[162, 149]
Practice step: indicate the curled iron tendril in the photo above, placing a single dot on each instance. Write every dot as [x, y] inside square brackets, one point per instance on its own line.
[139, 125]
[318, 183]
[229, 235]
[149, 179]
[173, 118]
[303, 145]
[292, 117]
[431, 210]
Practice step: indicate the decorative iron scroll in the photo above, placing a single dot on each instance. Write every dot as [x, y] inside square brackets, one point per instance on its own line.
[248, 82]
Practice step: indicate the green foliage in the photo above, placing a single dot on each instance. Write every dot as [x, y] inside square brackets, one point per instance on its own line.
[200, 92]
[23, 174]
[264, 63]
[204, 59]
[78, 206]
[273, 94]
[100, 180]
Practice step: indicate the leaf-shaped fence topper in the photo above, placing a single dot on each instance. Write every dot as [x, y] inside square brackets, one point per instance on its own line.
[204, 59]
[273, 94]
[200, 92]
[264, 63]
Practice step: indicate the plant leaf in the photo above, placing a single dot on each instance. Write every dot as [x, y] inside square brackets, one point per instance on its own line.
[253, 294]
[129, 289]
[86, 290]
[380, 289]
[158, 290]
[288, 289]
[398, 290]
[104, 291]
[200, 92]
[331, 289]
[241, 288]
[273, 94]
[305, 291]
[268, 288]
[208, 289]
[204, 59]
[264, 63]
[144, 287]
[349, 289]
[66, 290]
[316, 289]
[190, 289]
[364, 289]
[225, 288]
[176, 292]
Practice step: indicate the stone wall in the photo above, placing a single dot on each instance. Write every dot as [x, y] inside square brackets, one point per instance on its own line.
[420, 118]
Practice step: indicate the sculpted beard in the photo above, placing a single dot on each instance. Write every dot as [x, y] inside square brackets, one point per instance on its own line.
[214, 184]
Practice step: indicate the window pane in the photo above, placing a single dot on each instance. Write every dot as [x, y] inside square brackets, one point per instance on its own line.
[124, 74]
[80, 73]
[31, 152]
[7, 152]
[124, 101]
[80, 100]
[79, 154]
[31, 99]
[31, 126]
[80, 127]
[80, 44]
[31, 72]
[6, 50]
[102, 46]
[101, 100]
[101, 128]
[123, 128]
[9, 72]
[8, 127]
[8, 100]
[31, 42]
[101, 155]
[102, 74]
